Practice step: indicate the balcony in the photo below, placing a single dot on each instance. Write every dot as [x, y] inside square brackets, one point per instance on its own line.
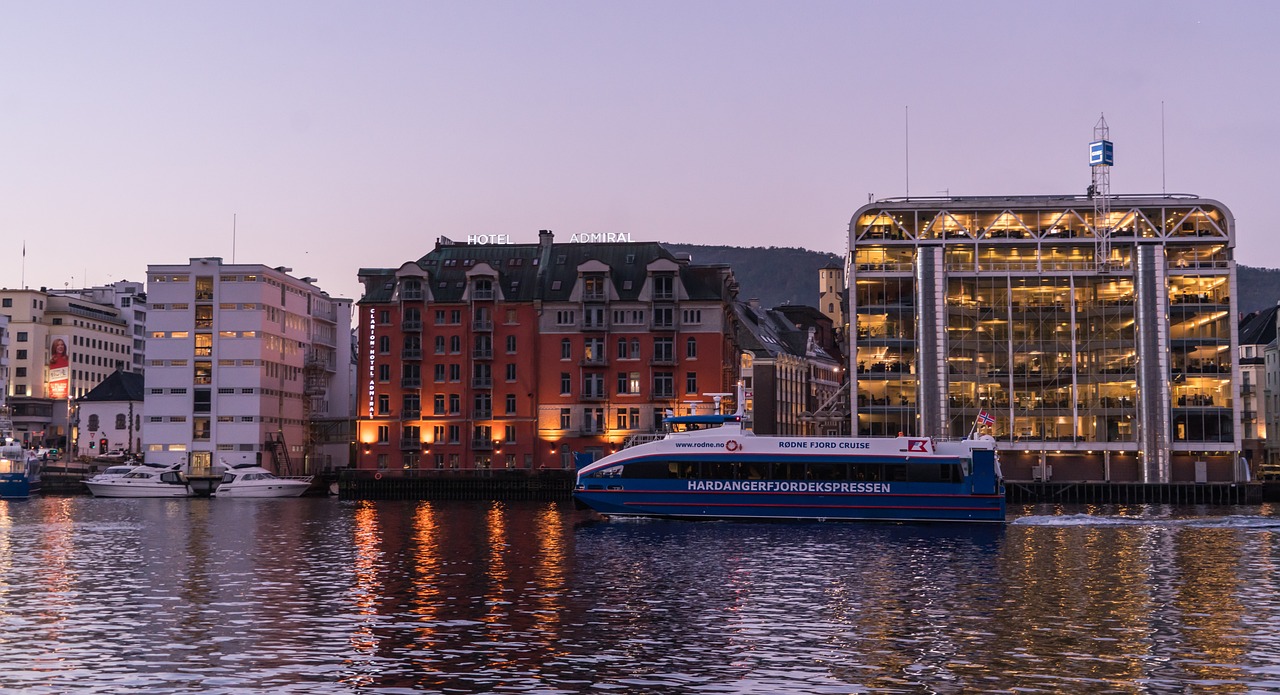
[411, 414]
[482, 325]
[596, 361]
[663, 394]
[412, 295]
[664, 296]
[410, 443]
[411, 382]
[598, 324]
[411, 325]
[591, 431]
[482, 414]
[663, 325]
[411, 354]
[663, 361]
[481, 445]
[482, 295]
[482, 382]
[482, 354]
[594, 395]
[595, 296]
[1248, 415]
[1247, 389]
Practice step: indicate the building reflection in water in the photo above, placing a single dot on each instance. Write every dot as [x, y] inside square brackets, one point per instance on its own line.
[365, 593]
[468, 597]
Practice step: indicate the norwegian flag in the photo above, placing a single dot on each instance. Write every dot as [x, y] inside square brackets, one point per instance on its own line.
[986, 419]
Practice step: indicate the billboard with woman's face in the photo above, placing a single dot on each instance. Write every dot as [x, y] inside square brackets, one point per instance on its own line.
[58, 382]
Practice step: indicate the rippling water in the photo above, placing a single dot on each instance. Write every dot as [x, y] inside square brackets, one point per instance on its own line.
[316, 595]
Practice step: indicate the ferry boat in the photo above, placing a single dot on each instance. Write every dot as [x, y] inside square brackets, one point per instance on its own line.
[709, 466]
[19, 470]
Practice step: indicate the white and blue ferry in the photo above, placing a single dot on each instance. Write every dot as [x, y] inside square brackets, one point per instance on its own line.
[19, 471]
[716, 469]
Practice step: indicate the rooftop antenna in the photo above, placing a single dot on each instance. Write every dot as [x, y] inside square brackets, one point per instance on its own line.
[906, 155]
[1101, 158]
[1164, 189]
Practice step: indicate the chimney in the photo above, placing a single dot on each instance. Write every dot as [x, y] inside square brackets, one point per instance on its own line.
[545, 240]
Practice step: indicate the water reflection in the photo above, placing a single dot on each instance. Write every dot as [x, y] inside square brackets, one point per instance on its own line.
[322, 596]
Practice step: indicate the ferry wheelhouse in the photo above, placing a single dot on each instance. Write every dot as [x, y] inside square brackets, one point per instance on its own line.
[709, 466]
[19, 471]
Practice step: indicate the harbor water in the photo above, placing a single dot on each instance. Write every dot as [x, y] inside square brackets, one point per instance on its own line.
[326, 596]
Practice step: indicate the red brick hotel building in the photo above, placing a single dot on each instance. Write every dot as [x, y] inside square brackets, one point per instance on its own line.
[502, 355]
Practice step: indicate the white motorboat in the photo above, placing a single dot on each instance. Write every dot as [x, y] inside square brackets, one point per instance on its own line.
[111, 473]
[251, 480]
[147, 480]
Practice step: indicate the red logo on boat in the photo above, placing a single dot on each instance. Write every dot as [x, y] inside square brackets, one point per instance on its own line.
[732, 445]
[917, 445]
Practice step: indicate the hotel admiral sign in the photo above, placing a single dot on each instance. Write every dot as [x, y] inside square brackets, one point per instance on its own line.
[589, 238]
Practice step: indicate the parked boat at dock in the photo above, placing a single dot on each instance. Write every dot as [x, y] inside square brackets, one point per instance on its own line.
[250, 480]
[19, 471]
[146, 480]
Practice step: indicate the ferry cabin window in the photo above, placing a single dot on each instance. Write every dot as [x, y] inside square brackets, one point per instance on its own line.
[789, 470]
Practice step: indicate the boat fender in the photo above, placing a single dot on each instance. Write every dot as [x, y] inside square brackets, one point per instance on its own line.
[377, 476]
[732, 445]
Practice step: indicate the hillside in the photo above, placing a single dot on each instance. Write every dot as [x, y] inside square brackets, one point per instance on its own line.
[778, 275]
[774, 275]
[1257, 288]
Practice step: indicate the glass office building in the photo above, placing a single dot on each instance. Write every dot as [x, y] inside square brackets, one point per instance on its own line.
[1099, 341]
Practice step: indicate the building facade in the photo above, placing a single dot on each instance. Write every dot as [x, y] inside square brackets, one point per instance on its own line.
[793, 378]
[130, 301]
[517, 356]
[1099, 339]
[61, 348]
[242, 359]
[110, 415]
[1256, 330]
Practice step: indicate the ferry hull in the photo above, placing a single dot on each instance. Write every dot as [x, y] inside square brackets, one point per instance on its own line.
[792, 506]
[14, 487]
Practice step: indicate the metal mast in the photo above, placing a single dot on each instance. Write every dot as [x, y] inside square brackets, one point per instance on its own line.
[1101, 157]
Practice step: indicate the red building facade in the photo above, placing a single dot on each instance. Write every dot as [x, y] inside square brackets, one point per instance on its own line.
[518, 356]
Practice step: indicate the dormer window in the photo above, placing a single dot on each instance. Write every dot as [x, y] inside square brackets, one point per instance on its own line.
[593, 288]
[664, 287]
[483, 288]
[411, 290]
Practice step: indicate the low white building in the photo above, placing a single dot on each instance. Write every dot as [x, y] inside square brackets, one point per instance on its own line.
[243, 361]
[110, 416]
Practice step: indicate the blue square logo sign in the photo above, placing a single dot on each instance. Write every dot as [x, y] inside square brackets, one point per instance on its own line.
[1101, 153]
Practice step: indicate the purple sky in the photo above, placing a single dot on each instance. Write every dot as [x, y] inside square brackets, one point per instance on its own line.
[353, 134]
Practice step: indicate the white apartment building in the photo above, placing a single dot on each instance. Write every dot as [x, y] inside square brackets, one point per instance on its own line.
[242, 361]
[4, 361]
[130, 298]
[60, 346]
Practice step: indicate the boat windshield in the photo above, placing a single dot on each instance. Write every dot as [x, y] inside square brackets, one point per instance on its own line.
[691, 423]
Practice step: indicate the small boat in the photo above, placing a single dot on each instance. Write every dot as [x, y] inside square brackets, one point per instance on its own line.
[252, 480]
[19, 471]
[147, 480]
[709, 466]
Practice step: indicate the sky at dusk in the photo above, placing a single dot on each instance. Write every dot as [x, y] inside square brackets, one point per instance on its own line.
[342, 135]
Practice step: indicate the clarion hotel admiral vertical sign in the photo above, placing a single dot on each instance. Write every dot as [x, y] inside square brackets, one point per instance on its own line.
[372, 351]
